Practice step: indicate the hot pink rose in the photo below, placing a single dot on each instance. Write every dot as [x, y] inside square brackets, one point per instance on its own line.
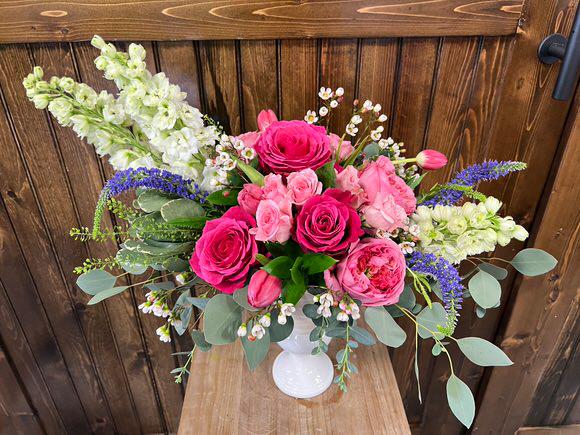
[327, 223]
[290, 146]
[274, 221]
[379, 178]
[250, 197]
[265, 118]
[303, 185]
[372, 272]
[346, 147]
[263, 289]
[348, 181]
[384, 214]
[225, 251]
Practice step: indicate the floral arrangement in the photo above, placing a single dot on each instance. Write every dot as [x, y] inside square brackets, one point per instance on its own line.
[245, 230]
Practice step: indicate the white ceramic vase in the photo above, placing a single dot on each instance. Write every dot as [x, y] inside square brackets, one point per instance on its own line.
[296, 371]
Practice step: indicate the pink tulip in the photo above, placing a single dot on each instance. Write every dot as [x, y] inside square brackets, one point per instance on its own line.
[431, 160]
[265, 118]
[263, 289]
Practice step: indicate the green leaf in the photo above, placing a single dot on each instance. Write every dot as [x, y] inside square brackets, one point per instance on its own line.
[95, 281]
[280, 332]
[262, 259]
[279, 267]
[256, 351]
[102, 295]
[132, 262]
[194, 223]
[288, 249]
[436, 350]
[480, 312]
[533, 262]
[224, 197]
[310, 311]
[406, 300]
[241, 298]
[485, 289]
[483, 353]
[254, 176]
[460, 400]
[181, 208]
[430, 318]
[415, 181]
[338, 332]
[152, 200]
[384, 326]
[361, 335]
[199, 340]
[200, 303]
[176, 264]
[317, 263]
[497, 272]
[294, 289]
[327, 175]
[222, 319]
[184, 316]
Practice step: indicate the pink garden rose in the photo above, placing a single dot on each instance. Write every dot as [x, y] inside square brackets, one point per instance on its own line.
[274, 221]
[263, 289]
[348, 181]
[346, 147]
[372, 272]
[303, 185]
[226, 250]
[265, 118]
[328, 223]
[249, 198]
[384, 214]
[290, 146]
[379, 178]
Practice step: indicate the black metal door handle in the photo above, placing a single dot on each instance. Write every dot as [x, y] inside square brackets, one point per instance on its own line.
[556, 47]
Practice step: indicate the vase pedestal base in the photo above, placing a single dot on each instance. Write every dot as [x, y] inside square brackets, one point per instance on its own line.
[302, 376]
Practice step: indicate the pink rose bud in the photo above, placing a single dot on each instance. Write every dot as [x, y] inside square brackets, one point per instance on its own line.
[263, 289]
[431, 160]
[266, 118]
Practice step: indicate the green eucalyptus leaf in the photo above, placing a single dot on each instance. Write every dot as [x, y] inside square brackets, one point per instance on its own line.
[533, 262]
[132, 262]
[200, 303]
[256, 351]
[482, 352]
[338, 332]
[361, 335]
[430, 318]
[152, 200]
[497, 272]
[436, 350]
[181, 208]
[484, 289]
[460, 400]
[193, 223]
[222, 318]
[102, 295]
[279, 267]
[241, 298]
[480, 312]
[280, 332]
[384, 326]
[199, 340]
[310, 311]
[224, 197]
[317, 263]
[406, 300]
[184, 316]
[95, 281]
[176, 265]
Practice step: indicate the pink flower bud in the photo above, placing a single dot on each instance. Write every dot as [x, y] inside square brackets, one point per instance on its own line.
[263, 289]
[431, 160]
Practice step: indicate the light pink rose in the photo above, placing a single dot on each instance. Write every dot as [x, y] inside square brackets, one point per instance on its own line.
[274, 188]
[265, 118]
[348, 181]
[249, 139]
[379, 178]
[250, 197]
[346, 147]
[273, 222]
[372, 272]
[303, 185]
[384, 214]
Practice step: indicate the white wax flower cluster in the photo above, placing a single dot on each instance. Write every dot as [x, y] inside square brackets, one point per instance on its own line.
[457, 232]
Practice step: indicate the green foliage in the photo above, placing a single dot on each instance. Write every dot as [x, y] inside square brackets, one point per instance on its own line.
[199, 340]
[497, 272]
[181, 208]
[280, 332]
[406, 300]
[533, 262]
[279, 267]
[327, 175]
[241, 298]
[96, 263]
[121, 210]
[317, 263]
[256, 351]
[96, 281]
[384, 326]
[460, 400]
[362, 336]
[429, 319]
[253, 175]
[152, 200]
[222, 317]
[102, 295]
[482, 352]
[294, 288]
[227, 197]
[485, 289]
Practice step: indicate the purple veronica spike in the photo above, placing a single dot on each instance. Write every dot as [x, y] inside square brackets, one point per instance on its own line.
[470, 176]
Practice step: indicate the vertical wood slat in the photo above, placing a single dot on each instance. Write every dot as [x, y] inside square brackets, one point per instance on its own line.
[24, 209]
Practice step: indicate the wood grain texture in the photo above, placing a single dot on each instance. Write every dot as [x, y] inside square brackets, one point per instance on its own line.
[572, 429]
[245, 402]
[29, 21]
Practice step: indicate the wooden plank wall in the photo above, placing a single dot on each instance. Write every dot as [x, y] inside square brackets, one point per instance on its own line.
[78, 369]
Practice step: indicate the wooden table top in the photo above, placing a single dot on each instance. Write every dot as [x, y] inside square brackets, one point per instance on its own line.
[224, 397]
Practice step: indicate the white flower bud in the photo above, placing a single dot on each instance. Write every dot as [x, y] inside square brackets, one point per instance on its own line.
[334, 104]
[339, 92]
[383, 118]
[242, 330]
[492, 204]
[342, 317]
[258, 331]
[265, 320]
[282, 319]
[520, 233]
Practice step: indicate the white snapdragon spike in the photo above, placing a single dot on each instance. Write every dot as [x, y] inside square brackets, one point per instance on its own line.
[311, 117]
[333, 104]
[325, 93]
[265, 320]
[163, 333]
[242, 330]
[323, 111]
[258, 331]
[339, 92]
